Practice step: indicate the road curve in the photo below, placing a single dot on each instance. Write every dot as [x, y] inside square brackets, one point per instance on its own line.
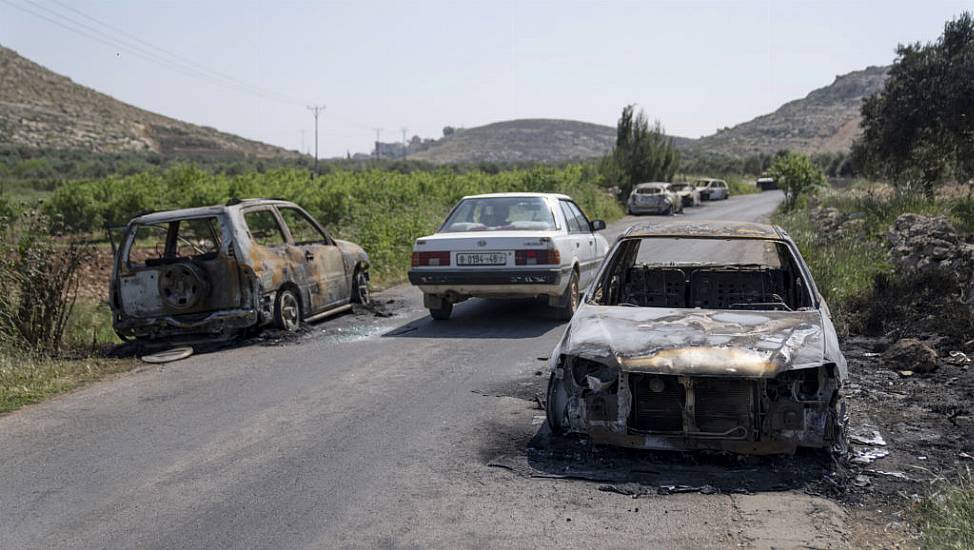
[370, 432]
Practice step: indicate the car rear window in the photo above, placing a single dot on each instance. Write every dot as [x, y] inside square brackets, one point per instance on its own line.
[648, 191]
[500, 214]
[192, 238]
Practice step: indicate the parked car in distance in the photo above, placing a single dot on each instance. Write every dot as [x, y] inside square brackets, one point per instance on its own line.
[766, 183]
[509, 245]
[712, 189]
[654, 198]
[208, 273]
[689, 194]
[708, 335]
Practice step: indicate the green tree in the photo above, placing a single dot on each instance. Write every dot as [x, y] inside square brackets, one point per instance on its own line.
[642, 153]
[796, 175]
[919, 131]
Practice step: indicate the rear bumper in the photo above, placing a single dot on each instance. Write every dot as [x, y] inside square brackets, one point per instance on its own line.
[213, 323]
[491, 283]
[647, 209]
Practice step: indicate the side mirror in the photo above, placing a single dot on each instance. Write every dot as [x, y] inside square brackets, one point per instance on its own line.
[597, 225]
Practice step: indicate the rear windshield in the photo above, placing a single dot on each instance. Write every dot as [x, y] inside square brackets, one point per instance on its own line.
[500, 214]
[648, 191]
[158, 243]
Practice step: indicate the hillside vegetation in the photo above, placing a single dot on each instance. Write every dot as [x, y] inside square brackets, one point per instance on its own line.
[41, 109]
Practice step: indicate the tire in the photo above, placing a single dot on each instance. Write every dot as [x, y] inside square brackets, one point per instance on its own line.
[570, 299]
[360, 287]
[442, 313]
[287, 310]
[668, 211]
[554, 408]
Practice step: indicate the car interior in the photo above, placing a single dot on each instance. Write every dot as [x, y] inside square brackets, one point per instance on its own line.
[763, 275]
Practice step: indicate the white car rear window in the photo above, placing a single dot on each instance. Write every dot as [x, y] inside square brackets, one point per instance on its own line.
[500, 214]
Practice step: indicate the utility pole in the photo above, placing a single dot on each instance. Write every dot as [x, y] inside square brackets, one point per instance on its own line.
[378, 134]
[404, 130]
[315, 109]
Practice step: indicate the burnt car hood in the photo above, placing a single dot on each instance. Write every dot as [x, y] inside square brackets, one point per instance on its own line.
[756, 344]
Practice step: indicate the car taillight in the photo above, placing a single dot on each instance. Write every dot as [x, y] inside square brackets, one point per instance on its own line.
[431, 258]
[537, 257]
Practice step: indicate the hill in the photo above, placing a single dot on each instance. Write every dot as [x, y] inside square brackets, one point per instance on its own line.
[826, 120]
[523, 140]
[44, 110]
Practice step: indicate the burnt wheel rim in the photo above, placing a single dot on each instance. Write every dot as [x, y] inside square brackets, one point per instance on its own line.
[362, 288]
[290, 312]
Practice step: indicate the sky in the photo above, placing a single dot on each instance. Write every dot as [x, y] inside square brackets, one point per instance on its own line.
[252, 68]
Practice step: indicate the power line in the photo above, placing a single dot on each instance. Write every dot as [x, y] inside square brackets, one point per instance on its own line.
[175, 56]
[93, 33]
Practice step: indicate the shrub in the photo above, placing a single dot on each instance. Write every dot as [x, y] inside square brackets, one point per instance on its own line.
[39, 277]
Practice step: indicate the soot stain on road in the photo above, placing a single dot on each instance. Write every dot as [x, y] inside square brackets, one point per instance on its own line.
[528, 450]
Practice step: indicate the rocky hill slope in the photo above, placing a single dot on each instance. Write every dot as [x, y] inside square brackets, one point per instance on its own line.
[42, 109]
[826, 120]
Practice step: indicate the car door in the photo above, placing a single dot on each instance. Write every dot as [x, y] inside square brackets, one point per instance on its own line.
[587, 242]
[268, 243]
[324, 279]
[573, 240]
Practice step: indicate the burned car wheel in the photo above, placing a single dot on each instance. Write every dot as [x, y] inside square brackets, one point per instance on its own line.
[182, 285]
[360, 287]
[556, 404]
[287, 310]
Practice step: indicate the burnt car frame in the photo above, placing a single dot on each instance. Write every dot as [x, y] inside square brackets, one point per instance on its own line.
[211, 272]
[701, 355]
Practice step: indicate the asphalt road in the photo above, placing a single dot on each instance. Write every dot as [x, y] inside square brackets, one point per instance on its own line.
[374, 432]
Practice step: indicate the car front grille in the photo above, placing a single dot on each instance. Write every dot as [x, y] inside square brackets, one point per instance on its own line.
[722, 407]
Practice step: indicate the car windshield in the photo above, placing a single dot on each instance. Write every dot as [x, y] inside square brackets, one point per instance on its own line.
[702, 183]
[679, 186]
[709, 273]
[500, 214]
[649, 190]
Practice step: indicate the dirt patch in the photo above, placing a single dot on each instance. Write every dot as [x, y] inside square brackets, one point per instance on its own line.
[924, 426]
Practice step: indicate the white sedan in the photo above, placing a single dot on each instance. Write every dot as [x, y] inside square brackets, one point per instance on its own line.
[509, 245]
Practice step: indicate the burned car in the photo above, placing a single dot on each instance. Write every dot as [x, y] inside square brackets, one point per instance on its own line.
[707, 335]
[211, 272]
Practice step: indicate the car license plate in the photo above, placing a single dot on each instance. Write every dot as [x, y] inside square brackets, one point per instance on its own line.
[481, 258]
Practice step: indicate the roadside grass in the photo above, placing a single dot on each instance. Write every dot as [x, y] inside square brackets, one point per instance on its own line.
[946, 517]
[847, 267]
[740, 186]
[90, 326]
[844, 267]
[27, 378]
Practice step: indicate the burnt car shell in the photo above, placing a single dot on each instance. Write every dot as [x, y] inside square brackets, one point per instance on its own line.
[681, 378]
[233, 284]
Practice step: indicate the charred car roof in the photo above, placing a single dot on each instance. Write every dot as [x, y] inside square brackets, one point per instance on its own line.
[702, 229]
[202, 211]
